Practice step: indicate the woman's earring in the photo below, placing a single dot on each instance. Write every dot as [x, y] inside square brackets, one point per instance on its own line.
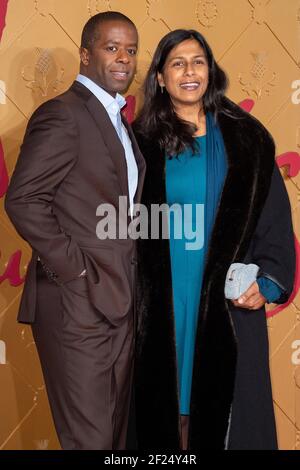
[162, 88]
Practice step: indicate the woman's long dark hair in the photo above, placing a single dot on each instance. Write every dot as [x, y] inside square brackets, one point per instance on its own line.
[157, 119]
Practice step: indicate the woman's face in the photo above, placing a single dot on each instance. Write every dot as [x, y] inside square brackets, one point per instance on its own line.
[185, 74]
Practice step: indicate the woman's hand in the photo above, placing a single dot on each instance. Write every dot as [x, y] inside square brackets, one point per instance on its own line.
[252, 299]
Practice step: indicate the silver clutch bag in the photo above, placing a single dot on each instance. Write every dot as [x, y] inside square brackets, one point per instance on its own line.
[239, 278]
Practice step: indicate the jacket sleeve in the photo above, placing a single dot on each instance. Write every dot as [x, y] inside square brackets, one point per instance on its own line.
[273, 242]
[48, 153]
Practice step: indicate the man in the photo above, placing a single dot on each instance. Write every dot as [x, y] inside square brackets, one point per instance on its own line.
[77, 154]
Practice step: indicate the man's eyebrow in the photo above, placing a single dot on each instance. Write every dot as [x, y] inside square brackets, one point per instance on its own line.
[115, 41]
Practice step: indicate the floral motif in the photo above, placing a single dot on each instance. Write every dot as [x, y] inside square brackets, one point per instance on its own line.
[207, 12]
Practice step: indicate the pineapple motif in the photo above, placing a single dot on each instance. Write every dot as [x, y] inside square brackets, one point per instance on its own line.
[44, 73]
[262, 81]
[44, 62]
[259, 67]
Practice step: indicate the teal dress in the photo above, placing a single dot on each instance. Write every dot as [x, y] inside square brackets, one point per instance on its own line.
[186, 184]
[194, 180]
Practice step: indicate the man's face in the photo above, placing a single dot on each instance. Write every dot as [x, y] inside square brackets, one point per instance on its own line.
[111, 62]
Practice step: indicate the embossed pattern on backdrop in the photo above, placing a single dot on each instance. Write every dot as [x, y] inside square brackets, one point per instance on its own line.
[257, 43]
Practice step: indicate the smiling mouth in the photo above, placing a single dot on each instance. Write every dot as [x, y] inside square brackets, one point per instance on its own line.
[120, 75]
[190, 86]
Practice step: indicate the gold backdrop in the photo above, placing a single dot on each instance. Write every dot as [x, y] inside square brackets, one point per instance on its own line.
[257, 43]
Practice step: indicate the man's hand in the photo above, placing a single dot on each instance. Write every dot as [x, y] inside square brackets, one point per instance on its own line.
[252, 299]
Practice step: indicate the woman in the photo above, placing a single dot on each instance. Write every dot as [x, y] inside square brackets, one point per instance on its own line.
[202, 374]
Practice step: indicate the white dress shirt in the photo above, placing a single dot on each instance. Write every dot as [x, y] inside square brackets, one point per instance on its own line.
[113, 107]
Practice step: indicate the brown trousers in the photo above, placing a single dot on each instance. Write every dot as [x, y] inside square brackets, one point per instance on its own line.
[87, 365]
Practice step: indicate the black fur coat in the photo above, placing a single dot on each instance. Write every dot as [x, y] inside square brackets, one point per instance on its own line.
[231, 401]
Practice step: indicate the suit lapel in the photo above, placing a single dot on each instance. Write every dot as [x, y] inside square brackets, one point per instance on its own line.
[116, 148]
[111, 140]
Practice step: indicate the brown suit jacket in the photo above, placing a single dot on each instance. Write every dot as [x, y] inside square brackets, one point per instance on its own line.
[71, 161]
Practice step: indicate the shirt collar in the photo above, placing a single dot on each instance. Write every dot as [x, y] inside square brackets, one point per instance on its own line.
[111, 104]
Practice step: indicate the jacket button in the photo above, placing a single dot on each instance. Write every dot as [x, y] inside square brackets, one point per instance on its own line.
[134, 261]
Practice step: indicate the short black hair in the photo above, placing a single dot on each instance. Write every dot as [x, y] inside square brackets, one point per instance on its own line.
[90, 34]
